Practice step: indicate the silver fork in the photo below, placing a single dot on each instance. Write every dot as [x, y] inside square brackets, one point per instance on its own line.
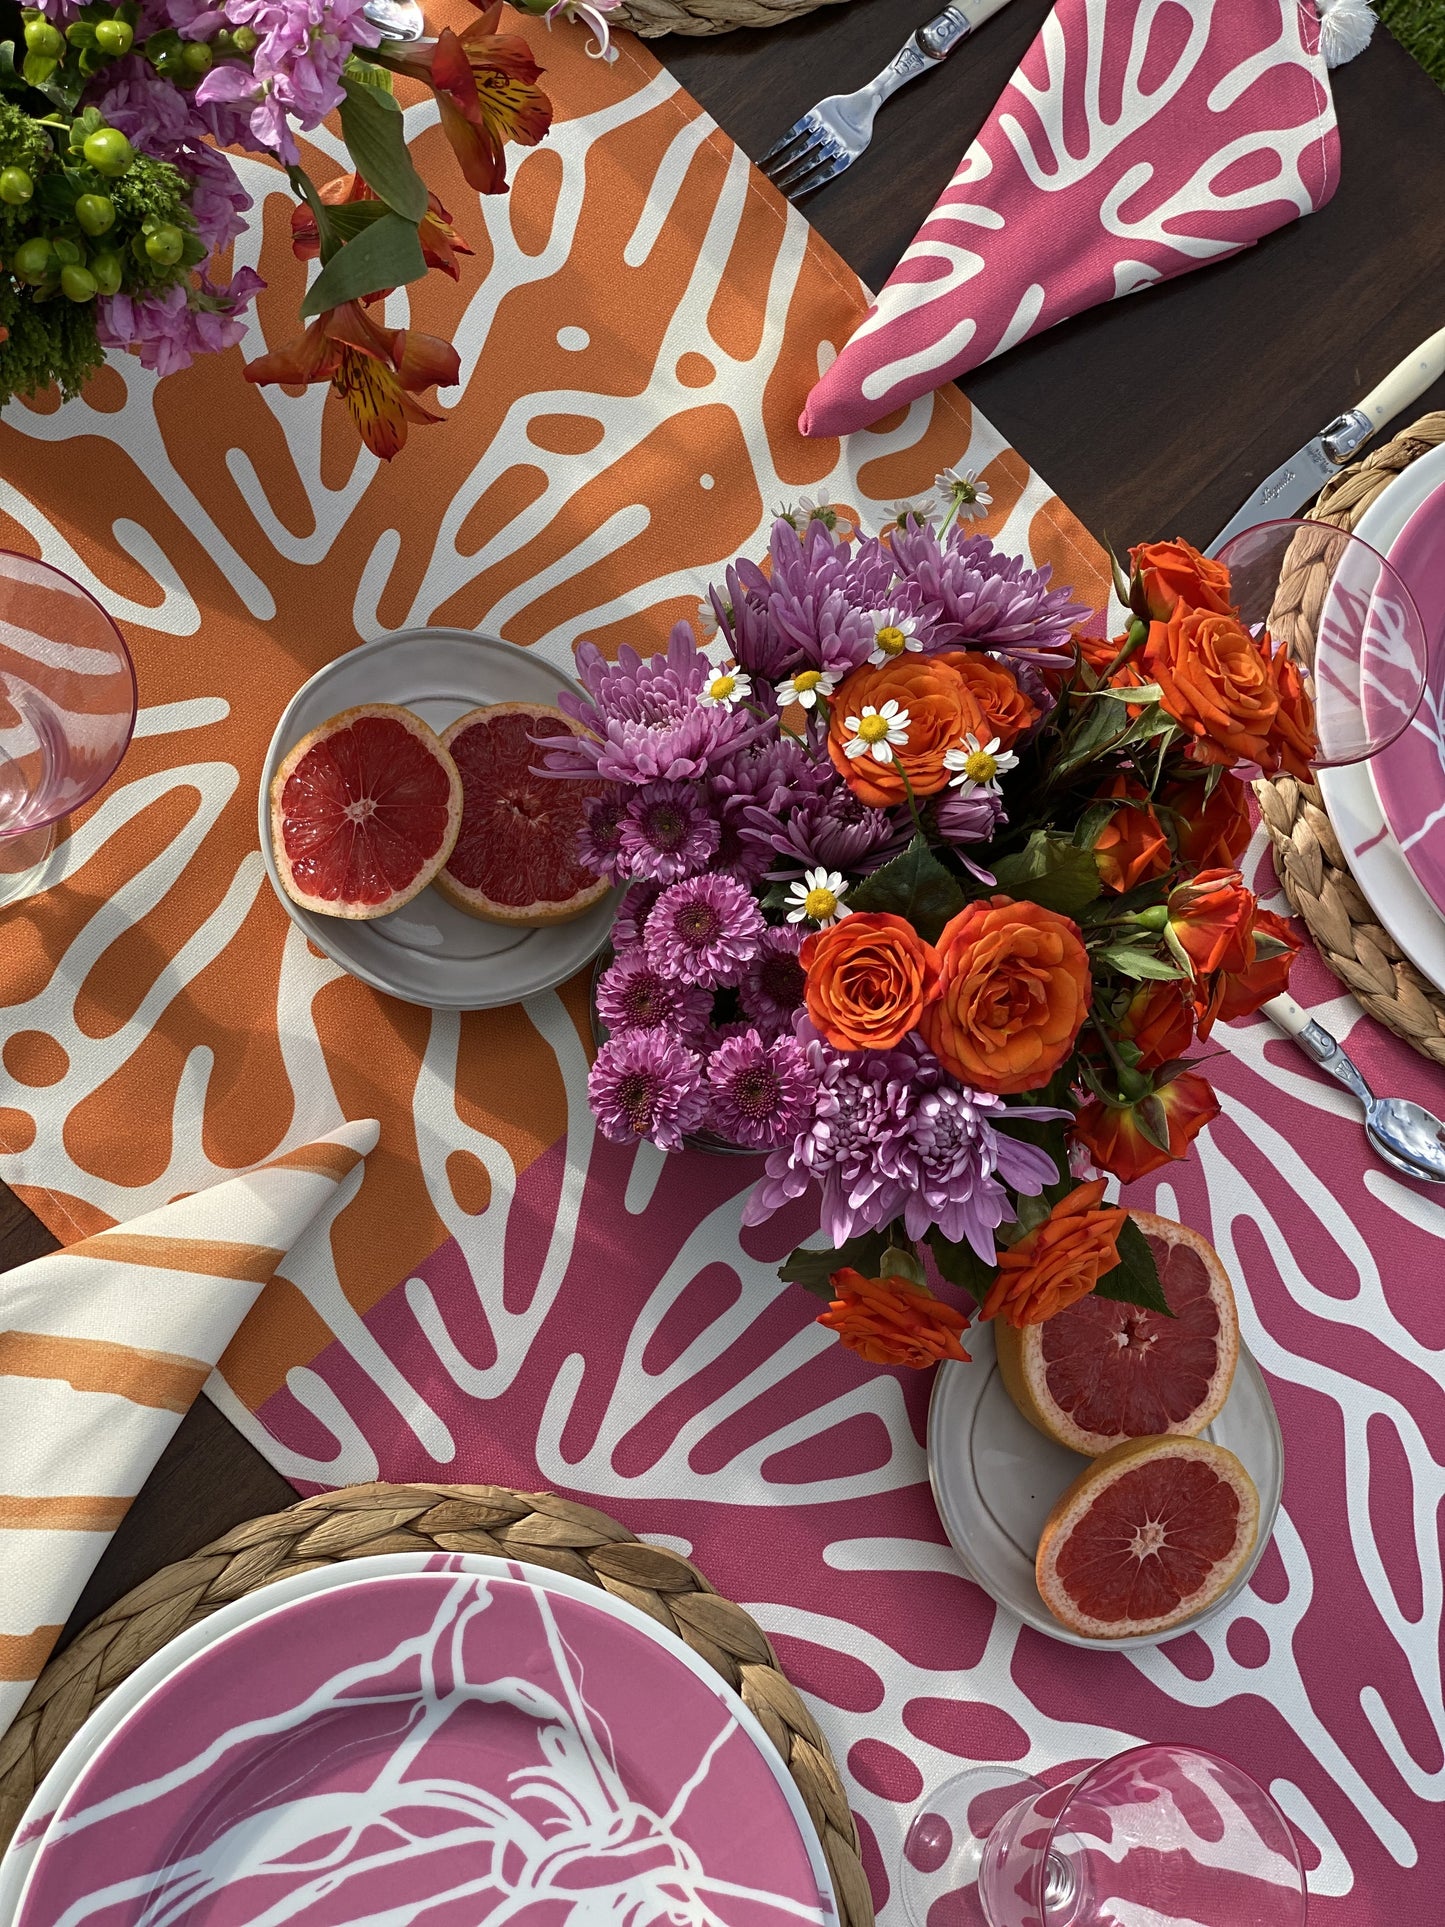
[832, 135]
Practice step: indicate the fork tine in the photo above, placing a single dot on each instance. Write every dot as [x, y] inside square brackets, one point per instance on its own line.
[805, 163]
[801, 130]
[827, 167]
[795, 163]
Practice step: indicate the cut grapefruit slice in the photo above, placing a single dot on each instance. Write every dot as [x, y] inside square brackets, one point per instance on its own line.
[1100, 1371]
[364, 812]
[1146, 1536]
[516, 858]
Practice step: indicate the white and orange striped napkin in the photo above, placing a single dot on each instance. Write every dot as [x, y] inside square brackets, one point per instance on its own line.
[103, 1348]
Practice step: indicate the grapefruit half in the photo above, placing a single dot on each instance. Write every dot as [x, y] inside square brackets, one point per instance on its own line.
[516, 859]
[364, 812]
[1146, 1536]
[1101, 1372]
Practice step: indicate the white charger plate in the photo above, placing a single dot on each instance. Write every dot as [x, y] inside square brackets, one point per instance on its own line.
[19, 1859]
[1376, 860]
[429, 952]
[995, 1479]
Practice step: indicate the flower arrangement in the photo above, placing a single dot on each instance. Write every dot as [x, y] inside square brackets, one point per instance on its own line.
[927, 897]
[117, 203]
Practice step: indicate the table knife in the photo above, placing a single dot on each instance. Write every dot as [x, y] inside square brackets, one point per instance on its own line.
[1301, 478]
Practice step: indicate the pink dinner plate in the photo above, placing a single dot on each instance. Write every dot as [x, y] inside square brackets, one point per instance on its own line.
[1410, 775]
[432, 1750]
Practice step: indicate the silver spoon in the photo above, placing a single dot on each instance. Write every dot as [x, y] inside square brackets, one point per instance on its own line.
[1402, 1133]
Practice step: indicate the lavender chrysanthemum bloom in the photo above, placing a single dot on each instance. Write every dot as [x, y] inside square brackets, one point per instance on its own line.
[983, 598]
[633, 994]
[969, 819]
[737, 855]
[646, 1084]
[599, 841]
[961, 1163]
[746, 627]
[770, 990]
[822, 597]
[632, 914]
[666, 833]
[771, 771]
[762, 1091]
[704, 930]
[832, 830]
[643, 720]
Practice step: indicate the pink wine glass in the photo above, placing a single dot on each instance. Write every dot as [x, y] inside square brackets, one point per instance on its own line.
[67, 709]
[1164, 1834]
[1348, 621]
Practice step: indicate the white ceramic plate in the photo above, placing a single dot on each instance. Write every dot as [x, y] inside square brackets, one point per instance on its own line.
[16, 1864]
[429, 952]
[1376, 860]
[995, 1480]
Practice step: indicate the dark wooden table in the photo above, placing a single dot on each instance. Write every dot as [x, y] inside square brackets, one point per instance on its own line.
[1153, 416]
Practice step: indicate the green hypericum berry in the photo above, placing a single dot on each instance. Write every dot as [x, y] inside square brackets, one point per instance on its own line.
[95, 212]
[166, 245]
[196, 57]
[109, 152]
[68, 253]
[16, 186]
[107, 271]
[77, 284]
[114, 37]
[42, 38]
[247, 40]
[33, 260]
[224, 42]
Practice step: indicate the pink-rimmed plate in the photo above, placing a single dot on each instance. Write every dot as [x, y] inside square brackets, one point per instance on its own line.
[1409, 777]
[434, 1749]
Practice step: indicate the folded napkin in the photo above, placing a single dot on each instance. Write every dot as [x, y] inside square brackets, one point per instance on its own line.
[103, 1348]
[1138, 139]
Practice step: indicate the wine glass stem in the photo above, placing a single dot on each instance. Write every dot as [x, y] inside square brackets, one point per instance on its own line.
[1061, 1887]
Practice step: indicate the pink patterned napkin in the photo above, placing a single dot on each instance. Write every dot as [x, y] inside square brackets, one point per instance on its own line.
[1139, 138]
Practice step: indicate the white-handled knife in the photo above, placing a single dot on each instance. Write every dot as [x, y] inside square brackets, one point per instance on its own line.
[1301, 478]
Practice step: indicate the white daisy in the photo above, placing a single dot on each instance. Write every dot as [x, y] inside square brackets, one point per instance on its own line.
[965, 493]
[924, 511]
[893, 632]
[877, 732]
[728, 687]
[979, 765]
[706, 621]
[807, 687]
[818, 898]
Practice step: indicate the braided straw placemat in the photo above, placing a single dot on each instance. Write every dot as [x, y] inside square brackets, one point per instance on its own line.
[650, 18]
[1307, 853]
[358, 1520]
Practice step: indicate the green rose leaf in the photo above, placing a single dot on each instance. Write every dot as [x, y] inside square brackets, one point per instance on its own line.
[385, 254]
[1135, 1279]
[1130, 962]
[1050, 870]
[812, 1269]
[914, 885]
[371, 124]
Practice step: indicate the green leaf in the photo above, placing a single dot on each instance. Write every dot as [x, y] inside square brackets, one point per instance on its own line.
[961, 1265]
[372, 126]
[1144, 692]
[383, 255]
[368, 75]
[351, 217]
[1050, 870]
[1098, 732]
[778, 898]
[1153, 1122]
[1138, 963]
[897, 1263]
[812, 1269]
[1090, 826]
[1135, 1279]
[914, 885]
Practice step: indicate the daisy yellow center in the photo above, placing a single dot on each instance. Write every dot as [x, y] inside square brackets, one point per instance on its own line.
[873, 729]
[980, 767]
[721, 687]
[820, 904]
[891, 641]
[807, 679]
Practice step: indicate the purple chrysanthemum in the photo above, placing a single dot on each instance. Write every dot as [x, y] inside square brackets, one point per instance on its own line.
[645, 1084]
[762, 1092]
[643, 720]
[983, 598]
[969, 819]
[599, 841]
[632, 914]
[633, 994]
[771, 987]
[704, 930]
[823, 597]
[666, 833]
[832, 830]
[961, 1163]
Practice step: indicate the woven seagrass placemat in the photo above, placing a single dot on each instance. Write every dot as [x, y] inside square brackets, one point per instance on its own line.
[1307, 854]
[359, 1520]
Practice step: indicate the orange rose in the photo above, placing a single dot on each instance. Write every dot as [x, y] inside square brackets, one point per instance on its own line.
[869, 978]
[1160, 1020]
[1292, 741]
[891, 1322]
[1212, 834]
[1059, 1261]
[1114, 1141]
[1174, 572]
[1131, 847]
[1228, 995]
[941, 711]
[1217, 683]
[1007, 712]
[1013, 990]
[1211, 923]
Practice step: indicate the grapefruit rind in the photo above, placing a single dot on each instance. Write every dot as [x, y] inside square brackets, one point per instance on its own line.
[1075, 1502]
[475, 902]
[1021, 1361]
[427, 874]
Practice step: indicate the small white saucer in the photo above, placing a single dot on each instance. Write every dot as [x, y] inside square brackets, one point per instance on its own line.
[428, 952]
[995, 1480]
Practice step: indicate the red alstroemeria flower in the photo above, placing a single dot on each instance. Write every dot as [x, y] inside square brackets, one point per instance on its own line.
[485, 87]
[376, 371]
[440, 242]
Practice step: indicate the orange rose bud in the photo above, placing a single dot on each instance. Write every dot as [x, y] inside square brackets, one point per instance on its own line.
[1059, 1261]
[1131, 847]
[1160, 1020]
[1292, 741]
[891, 1322]
[1212, 834]
[1098, 654]
[1175, 572]
[1114, 1141]
[1217, 684]
[1007, 712]
[1211, 923]
[1228, 995]
[869, 978]
[1013, 990]
[941, 711]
